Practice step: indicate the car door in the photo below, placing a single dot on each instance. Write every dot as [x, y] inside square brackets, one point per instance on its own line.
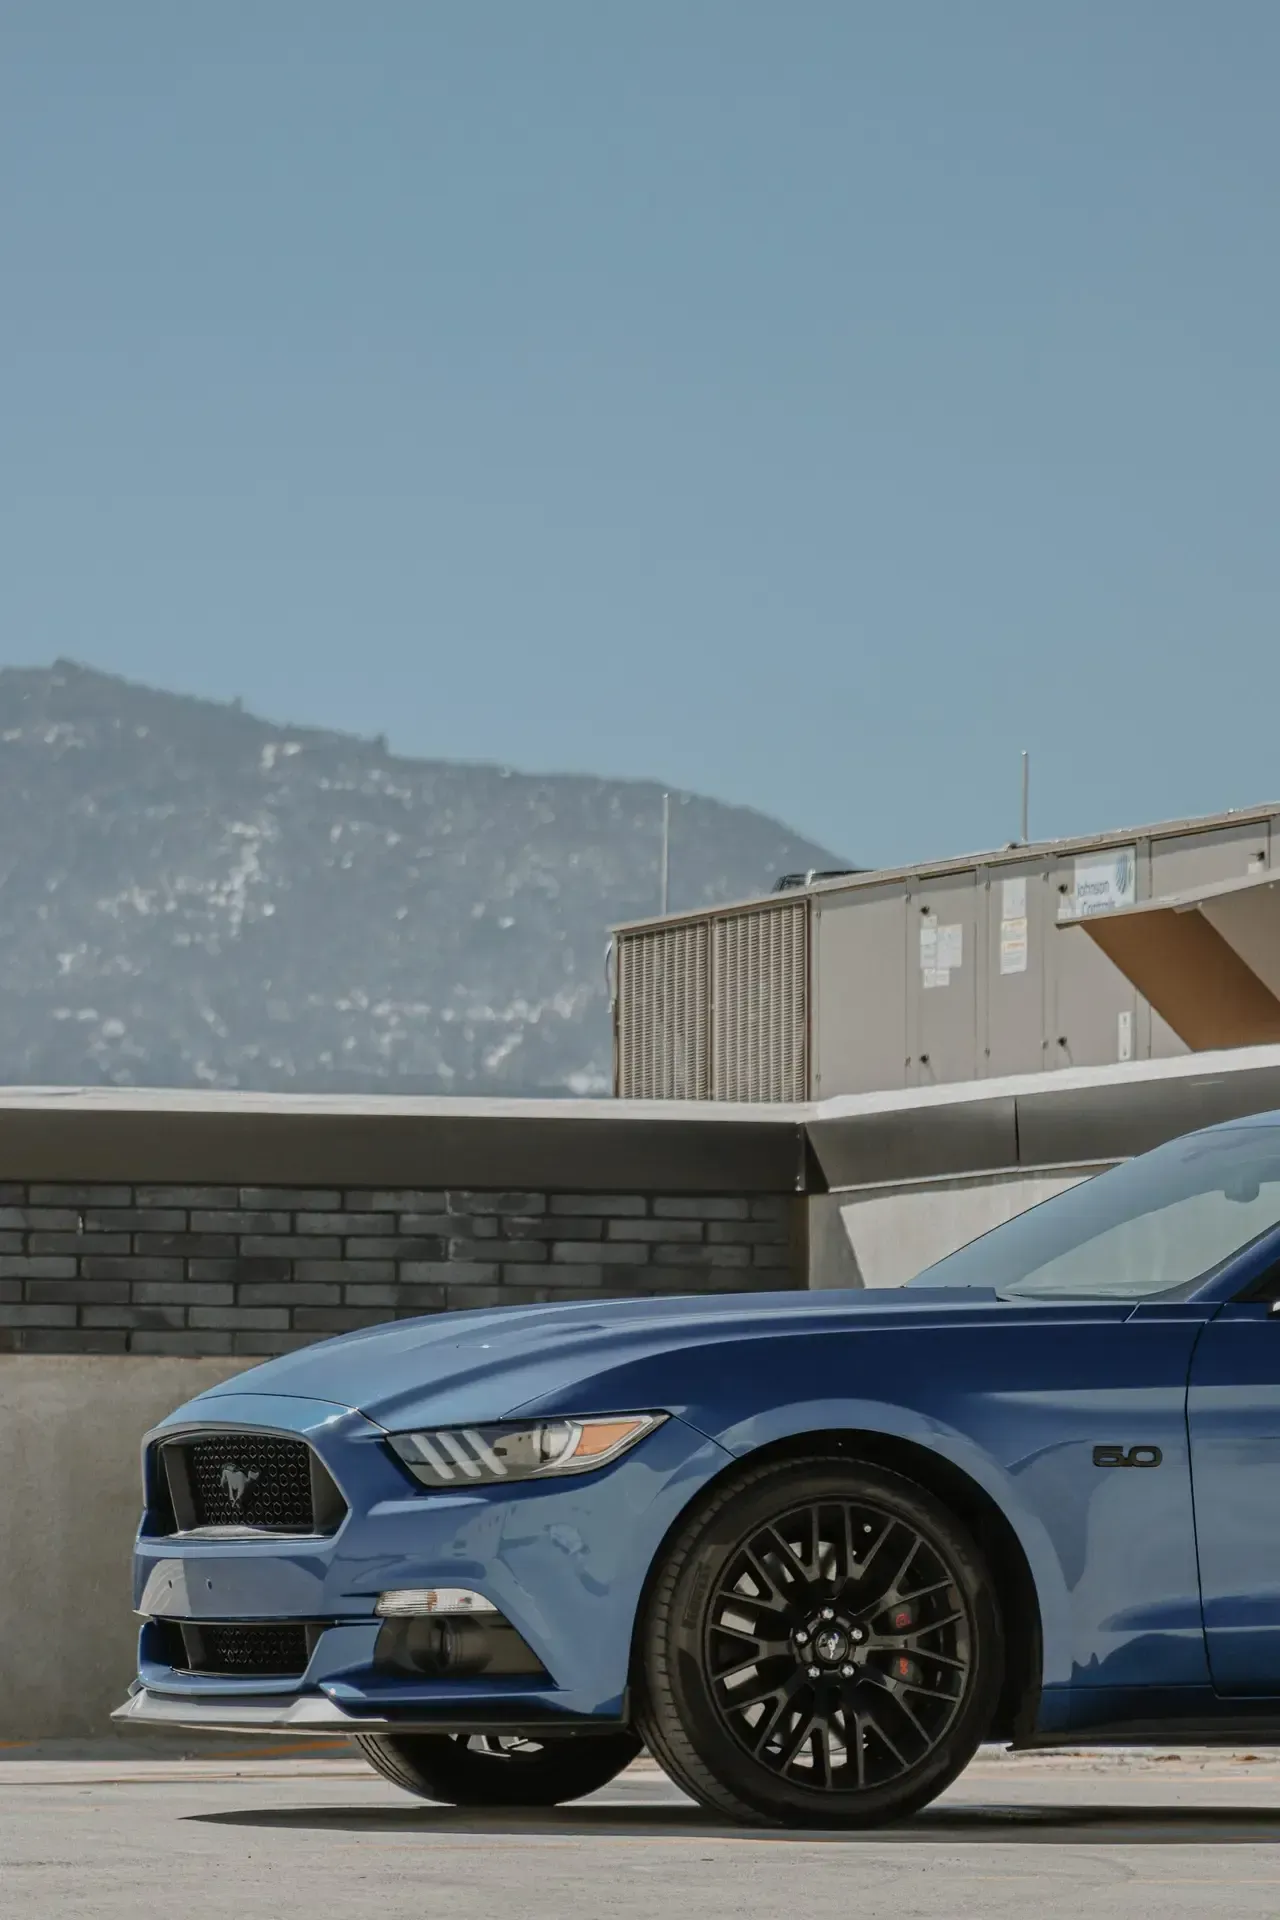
[1233, 1416]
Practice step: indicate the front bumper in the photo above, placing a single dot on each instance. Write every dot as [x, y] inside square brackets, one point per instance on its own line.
[565, 1561]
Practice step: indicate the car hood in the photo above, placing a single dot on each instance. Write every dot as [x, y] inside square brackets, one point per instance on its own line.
[485, 1365]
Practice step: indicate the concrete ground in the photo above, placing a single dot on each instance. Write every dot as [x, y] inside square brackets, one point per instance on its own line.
[104, 1832]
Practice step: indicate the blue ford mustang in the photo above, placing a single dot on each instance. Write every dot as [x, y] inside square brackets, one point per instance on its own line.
[810, 1550]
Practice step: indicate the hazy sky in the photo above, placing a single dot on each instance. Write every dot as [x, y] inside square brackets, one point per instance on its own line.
[811, 403]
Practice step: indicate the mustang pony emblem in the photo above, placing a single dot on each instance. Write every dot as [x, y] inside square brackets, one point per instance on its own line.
[236, 1483]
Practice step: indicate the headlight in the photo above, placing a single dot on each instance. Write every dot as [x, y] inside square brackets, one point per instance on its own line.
[519, 1449]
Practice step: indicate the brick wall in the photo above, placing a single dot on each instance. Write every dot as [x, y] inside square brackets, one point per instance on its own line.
[212, 1270]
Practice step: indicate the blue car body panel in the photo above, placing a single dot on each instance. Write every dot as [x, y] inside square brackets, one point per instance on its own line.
[1234, 1422]
[1158, 1592]
[565, 1561]
[1016, 1397]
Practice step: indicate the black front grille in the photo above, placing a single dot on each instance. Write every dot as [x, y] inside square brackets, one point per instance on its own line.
[240, 1482]
[271, 1651]
[249, 1480]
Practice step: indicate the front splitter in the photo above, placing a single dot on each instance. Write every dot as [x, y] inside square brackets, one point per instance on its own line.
[316, 1716]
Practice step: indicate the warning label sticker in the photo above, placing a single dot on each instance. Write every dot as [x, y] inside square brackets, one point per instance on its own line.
[1013, 926]
[941, 951]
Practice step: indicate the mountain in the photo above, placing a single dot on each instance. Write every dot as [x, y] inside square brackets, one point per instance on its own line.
[193, 896]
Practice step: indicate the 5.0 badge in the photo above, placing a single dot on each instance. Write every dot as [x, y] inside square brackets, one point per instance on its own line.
[1127, 1456]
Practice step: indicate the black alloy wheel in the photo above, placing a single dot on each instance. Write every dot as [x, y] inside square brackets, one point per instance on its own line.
[822, 1647]
[498, 1770]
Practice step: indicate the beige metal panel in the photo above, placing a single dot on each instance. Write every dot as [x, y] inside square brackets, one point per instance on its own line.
[664, 1014]
[846, 887]
[859, 992]
[942, 980]
[1091, 1007]
[1183, 860]
[1019, 903]
[1248, 919]
[759, 1003]
[1164, 1043]
[1207, 959]
[890, 1028]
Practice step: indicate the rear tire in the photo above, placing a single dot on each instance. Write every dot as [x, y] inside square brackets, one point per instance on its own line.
[493, 1771]
[822, 1647]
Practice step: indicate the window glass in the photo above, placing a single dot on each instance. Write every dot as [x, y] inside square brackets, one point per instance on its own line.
[1155, 1224]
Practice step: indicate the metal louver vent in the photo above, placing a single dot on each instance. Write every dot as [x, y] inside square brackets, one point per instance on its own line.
[759, 972]
[664, 1014]
[715, 1009]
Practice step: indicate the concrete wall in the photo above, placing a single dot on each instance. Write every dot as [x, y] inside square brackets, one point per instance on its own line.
[70, 1429]
[884, 1236]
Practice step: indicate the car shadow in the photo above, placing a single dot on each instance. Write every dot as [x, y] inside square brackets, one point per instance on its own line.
[942, 1825]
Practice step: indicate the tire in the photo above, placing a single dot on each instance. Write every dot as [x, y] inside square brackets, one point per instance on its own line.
[492, 1771]
[822, 1646]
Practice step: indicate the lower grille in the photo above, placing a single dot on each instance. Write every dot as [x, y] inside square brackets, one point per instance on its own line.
[276, 1650]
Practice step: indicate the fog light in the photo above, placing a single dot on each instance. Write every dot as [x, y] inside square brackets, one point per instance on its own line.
[412, 1603]
[453, 1647]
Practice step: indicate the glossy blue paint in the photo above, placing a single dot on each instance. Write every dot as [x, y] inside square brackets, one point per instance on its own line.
[1234, 1418]
[1016, 1397]
[564, 1560]
[1158, 1590]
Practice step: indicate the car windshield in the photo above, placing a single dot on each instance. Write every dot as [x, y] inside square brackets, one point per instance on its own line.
[1156, 1224]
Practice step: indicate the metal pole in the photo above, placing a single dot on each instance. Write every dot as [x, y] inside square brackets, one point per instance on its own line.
[666, 848]
[1026, 796]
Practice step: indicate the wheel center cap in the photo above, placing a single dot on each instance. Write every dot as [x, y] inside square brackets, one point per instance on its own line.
[831, 1645]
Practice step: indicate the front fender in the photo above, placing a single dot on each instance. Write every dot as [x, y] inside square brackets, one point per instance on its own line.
[1017, 1399]
[886, 1420]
